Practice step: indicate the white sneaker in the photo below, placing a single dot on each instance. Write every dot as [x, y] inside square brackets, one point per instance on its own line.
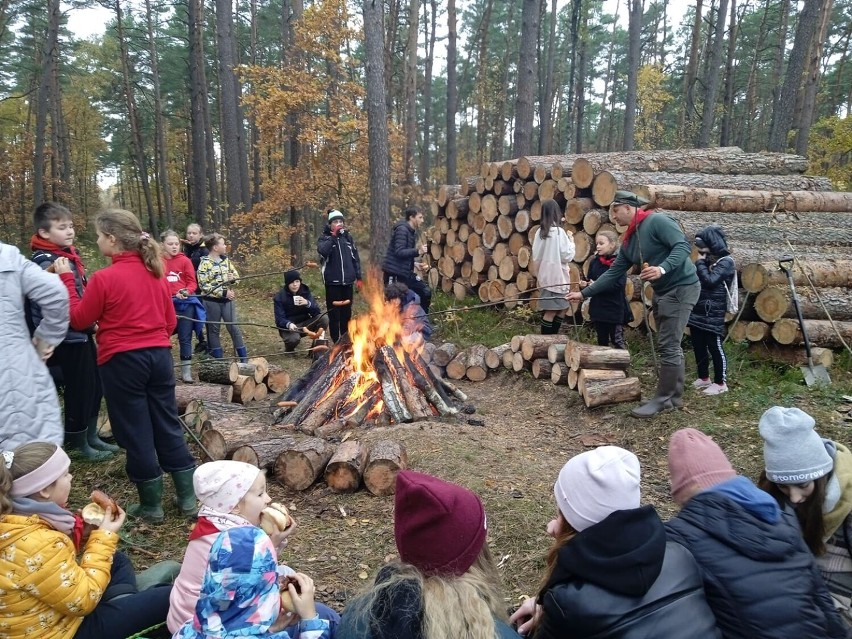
[701, 383]
[716, 389]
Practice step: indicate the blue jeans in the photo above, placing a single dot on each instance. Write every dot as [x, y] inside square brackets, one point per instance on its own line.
[184, 333]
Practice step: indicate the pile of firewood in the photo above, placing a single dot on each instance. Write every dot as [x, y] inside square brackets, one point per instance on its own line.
[481, 240]
[236, 381]
[231, 431]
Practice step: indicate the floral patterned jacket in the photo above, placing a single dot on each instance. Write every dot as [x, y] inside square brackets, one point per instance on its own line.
[44, 592]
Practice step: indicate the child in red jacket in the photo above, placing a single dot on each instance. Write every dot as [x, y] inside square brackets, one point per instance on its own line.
[131, 303]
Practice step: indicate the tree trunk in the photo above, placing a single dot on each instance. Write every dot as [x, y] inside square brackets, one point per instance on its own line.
[198, 107]
[452, 92]
[377, 126]
[633, 60]
[713, 76]
[410, 81]
[545, 138]
[46, 99]
[807, 113]
[725, 135]
[527, 71]
[429, 29]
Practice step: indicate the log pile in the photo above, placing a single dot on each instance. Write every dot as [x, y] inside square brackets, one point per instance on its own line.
[242, 383]
[481, 239]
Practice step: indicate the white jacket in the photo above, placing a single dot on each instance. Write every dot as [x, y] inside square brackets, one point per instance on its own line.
[552, 256]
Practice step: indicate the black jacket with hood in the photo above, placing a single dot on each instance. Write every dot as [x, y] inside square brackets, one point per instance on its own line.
[399, 260]
[715, 274]
[620, 579]
[341, 264]
[760, 578]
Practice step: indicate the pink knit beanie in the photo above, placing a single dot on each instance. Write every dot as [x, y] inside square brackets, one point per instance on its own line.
[696, 460]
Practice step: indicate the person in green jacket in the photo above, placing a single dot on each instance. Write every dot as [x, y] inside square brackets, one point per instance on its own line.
[656, 243]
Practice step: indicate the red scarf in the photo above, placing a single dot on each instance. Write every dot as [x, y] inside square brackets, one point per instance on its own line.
[40, 244]
[641, 214]
[202, 527]
[606, 260]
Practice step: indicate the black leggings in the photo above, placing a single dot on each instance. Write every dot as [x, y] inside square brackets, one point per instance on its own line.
[338, 316]
[610, 333]
[708, 345]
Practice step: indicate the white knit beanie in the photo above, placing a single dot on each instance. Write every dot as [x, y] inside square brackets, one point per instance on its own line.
[221, 485]
[793, 452]
[594, 484]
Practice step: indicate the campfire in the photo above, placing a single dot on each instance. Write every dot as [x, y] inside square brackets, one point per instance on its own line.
[375, 376]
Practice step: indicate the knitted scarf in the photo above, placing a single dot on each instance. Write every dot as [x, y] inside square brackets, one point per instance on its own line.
[606, 260]
[58, 518]
[641, 214]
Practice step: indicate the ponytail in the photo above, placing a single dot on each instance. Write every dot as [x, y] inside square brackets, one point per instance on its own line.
[128, 234]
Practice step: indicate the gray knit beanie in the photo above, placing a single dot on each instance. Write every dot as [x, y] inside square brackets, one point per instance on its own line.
[793, 452]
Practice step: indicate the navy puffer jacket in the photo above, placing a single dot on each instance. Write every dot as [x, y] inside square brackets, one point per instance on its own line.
[399, 260]
[339, 259]
[759, 576]
[715, 274]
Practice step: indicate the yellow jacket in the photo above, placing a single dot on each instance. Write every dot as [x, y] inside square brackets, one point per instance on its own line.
[44, 592]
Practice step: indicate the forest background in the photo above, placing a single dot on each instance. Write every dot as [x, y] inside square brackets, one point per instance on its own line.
[252, 117]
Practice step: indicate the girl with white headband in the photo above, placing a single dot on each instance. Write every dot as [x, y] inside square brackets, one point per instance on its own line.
[42, 587]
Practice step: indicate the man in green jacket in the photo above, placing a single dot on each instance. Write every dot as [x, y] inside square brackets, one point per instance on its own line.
[657, 244]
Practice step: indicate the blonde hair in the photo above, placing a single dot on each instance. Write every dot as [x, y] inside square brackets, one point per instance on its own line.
[454, 607]
[169, 233]
[612, 236]
[128, 234]
[27, 457]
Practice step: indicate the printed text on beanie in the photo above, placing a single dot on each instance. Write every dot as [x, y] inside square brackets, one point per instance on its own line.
[793, 452]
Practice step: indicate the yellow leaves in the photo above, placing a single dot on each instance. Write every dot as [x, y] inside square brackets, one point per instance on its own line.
[829, 146]
[651, 99]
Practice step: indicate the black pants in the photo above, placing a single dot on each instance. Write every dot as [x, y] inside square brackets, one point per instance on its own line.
[338, 316]
[707, 345]
[416, 284]
[292, 338]
[78, 363]
[139, 387]
[610, 333]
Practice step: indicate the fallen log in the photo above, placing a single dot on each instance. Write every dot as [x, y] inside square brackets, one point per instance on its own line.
[184, 394]
[457, 368]
[556, 352]
[791, 355]
[685, 198]
[277, 379]
[260, 453]
[573, 377]
[325, 409]
[718, 161]
[244, 389]
[476, 370]
[612, 392]
[586, 376]
[508, 358]
[346, 467]
[214, 446]
[536, 346]
[757, 331]
[494, 356]
[820, 332]
[752, 229]
[444, 354]
[260, 392]
[756, 276]
[262, 367]
[519, 363]
[299, 466]
[774, 303]
[385, 460]
[559, 374]
[249, 370]
[541, 368]
[579, 355]
[637, 180]
[218, 371]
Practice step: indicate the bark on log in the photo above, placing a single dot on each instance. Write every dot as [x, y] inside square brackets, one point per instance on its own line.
[218, 371]
[792, 355]
[244, 389]
[494, 356]
[820, 332]
[579, 356]
[385, 460]
[749, 230]
[773, 303]
[525, 165]
[260, 453]
[586, 376]
[415, 401]
[559, 374]
[685, 198]
[457, 368]
[299, 466]
[184, 394]
[719, 161]
[556, 352]
[277, 379]
[541, 368]
[632, 180]
[756, 276]
[444, 354]
[476, 370]
[346, 467]
[612, 392]
[536, 346]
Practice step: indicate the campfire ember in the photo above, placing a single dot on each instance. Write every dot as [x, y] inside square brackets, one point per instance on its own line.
[374, 376]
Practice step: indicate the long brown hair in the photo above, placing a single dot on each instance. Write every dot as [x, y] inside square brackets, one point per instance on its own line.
[551, 216]
[809, 513]
[27, 457]
[128, 234]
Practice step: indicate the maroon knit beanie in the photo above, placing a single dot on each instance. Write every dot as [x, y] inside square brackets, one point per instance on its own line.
[695, 460]
[439, 527]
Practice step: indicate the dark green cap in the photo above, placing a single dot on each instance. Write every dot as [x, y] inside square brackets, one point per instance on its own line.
[629, 197]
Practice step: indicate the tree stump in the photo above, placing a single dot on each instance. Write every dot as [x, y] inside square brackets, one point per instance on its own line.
[299, 467]
[343, 473]
[385, 460]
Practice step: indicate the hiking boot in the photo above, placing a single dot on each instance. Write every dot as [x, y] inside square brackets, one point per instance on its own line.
[79, 443]
[701, 382]
[185, 492]
[716, 389]
[150, 506]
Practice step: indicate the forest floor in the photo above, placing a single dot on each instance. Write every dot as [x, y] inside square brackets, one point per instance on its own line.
[530, 428]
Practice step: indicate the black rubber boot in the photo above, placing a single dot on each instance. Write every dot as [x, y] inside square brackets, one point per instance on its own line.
[677, 397]
[150, 506]
[185, 492]
[79, 443]
[662, 400]
[95, 440]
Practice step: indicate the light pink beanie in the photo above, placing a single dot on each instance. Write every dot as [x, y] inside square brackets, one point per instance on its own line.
[695, 460]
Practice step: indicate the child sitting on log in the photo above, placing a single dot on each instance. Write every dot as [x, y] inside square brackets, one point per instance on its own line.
[295, 309]
[44, 591]
[609, 311]
[241, 595]
[415, 323]
[232, 495]
[446, 584]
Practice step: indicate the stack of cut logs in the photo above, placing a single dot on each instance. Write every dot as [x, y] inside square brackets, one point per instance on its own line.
[481, 240]
[231, 431]
[236, 381]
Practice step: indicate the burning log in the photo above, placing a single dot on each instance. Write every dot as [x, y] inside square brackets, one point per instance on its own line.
[204, 392]
[385, 460]
[343, 473]
[394, 402]
[326, 407]
[299, 466]
[320, 380]
[415, 401]
[430, 385]
[218, 372]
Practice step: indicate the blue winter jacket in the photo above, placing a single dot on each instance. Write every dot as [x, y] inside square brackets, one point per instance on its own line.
[399, 259]
[759, 576]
